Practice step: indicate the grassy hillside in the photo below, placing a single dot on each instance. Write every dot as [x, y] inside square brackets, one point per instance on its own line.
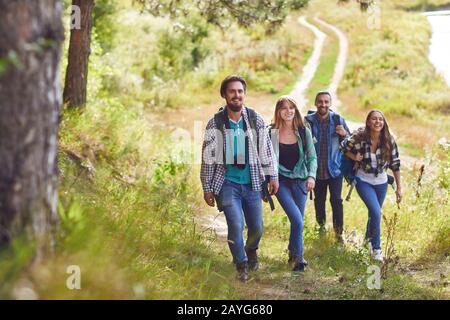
[388, 68]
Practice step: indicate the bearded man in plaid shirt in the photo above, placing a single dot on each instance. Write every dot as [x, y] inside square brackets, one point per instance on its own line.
[237, 156]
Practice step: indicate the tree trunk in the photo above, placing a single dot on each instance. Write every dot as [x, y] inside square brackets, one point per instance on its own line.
[79, 50]
[31, 34]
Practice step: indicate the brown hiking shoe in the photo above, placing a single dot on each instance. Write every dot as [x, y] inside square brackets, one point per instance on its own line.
[242, 269]
[339, 236]
[253, 262]
[299, 264]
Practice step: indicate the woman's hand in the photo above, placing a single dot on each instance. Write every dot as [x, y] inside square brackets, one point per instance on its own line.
[398, 194]
[310, 184]
[357, 157]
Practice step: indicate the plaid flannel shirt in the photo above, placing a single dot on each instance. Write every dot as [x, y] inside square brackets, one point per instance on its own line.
[363, 147]
[212, 171]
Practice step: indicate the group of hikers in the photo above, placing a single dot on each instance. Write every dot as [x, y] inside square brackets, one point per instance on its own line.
[245, 162]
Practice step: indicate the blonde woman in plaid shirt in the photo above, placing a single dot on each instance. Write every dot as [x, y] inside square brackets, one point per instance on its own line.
[375, 150]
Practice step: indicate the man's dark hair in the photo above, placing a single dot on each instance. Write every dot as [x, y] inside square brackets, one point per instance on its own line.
[321, 93]
[227, 80]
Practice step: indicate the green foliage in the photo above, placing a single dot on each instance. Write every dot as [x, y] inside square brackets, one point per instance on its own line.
[104, 23]
[181, 49]
[224, 13]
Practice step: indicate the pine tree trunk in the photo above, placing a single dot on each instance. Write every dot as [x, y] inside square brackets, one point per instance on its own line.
[79, 50]
[31, 34]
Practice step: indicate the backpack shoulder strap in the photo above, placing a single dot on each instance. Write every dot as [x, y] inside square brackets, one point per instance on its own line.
[336, 119]
[269, 128]
[219, 121]
[302, 133]
[252, 118]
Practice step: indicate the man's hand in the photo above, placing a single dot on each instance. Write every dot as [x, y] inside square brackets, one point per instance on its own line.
[273, 187]
[310, 183]
[209, 198]
[341, 131]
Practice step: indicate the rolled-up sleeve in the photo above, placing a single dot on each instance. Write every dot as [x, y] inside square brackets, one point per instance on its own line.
[208, 157]
[350, 144]
[311, 156]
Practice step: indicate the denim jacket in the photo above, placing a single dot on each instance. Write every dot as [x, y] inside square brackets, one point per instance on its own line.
[334, 152]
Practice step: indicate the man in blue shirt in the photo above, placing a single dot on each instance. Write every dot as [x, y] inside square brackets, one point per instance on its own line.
[327, 135]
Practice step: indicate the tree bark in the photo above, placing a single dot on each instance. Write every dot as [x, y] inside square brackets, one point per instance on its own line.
[31, 34]
[79, 50]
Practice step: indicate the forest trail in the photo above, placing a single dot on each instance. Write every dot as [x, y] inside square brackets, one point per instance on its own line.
[209, 219]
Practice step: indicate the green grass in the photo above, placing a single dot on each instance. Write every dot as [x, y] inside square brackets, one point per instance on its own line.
[340, 272]
[413, 150]
[325, 70]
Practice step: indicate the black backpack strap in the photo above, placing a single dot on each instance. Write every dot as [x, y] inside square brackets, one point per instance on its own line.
[336, 119]
[253, 124]
[219, 121]
[302, 133]
[337, 122]
[309, 124]
[252, 118]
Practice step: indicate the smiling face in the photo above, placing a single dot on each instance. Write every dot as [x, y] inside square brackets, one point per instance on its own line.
[323, 103]
[287, 111]
[234, 95]
[375, 121]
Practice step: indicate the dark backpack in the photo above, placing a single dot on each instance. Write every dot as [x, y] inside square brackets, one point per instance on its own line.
[219, 120]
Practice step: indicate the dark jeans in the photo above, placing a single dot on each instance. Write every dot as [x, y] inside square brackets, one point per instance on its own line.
[320, 195]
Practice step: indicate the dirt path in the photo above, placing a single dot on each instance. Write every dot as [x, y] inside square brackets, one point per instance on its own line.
[310, 68]
[340, 62]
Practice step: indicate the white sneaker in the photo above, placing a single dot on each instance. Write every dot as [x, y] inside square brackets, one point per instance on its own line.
[377, 255]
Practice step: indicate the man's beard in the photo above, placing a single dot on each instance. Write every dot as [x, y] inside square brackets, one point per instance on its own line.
[323, 112]
[235, 108]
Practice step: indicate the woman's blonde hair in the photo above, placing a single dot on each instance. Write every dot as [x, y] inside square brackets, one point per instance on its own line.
[277, 120]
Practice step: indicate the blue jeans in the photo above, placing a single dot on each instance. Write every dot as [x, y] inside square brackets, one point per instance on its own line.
[235, 199]
[373, 197]
[292, 197]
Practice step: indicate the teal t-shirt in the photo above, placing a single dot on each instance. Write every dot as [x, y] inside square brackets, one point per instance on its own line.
[236, 141]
